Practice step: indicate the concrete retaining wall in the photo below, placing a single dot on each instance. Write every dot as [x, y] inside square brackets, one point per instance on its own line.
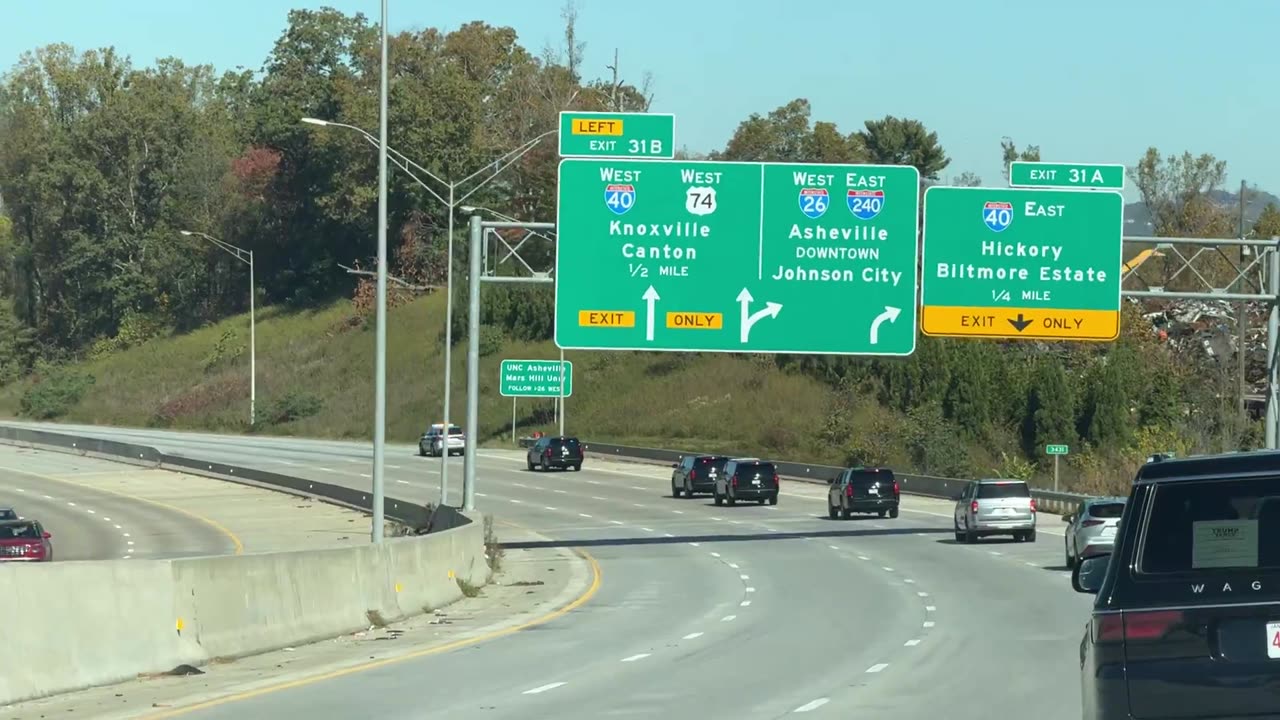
[72, 625]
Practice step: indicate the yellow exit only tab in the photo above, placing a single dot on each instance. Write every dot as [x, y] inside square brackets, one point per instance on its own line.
[597, 126]
[1015, 323]
[606, 318]
[695, 321]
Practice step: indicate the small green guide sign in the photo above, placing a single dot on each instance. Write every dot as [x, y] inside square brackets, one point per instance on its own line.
[535, 378]
[650, 136]
[1065, 175]
[1055, 449]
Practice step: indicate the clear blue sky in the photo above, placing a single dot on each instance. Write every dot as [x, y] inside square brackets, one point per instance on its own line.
[1087, 80]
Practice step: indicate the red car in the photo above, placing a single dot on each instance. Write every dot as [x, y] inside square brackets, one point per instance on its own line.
[24, 541]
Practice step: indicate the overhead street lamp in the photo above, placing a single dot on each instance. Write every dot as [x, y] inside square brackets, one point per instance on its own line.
[453, 203]
[244, 256]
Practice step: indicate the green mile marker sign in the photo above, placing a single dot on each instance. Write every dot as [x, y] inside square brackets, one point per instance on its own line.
[1055, 449]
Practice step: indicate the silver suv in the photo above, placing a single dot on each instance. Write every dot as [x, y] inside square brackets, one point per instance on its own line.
[995, 507]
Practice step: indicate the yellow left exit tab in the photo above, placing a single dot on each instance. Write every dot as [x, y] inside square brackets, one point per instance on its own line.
[597, 126]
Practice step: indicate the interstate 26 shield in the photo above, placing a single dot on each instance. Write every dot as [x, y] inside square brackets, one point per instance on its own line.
[997, 215]
[865, 204]
[619, 198]
[814, 202]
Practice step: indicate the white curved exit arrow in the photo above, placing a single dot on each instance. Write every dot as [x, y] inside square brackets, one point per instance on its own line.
[891, 314]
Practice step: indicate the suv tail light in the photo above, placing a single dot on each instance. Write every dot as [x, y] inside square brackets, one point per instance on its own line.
[775, 480]
[848, 491]
[693, 474]
[734, 480]
[973, 507]
[1033, 504]
[1090, 523]
[895, 488]
[1136, 626]
[547, 452]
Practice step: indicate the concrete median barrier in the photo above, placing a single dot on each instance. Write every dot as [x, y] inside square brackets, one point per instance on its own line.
[80, 624]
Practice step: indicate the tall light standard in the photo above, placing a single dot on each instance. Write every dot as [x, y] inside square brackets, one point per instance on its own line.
[380, 341]
[453, 203]
[474, 209]
[244, 256]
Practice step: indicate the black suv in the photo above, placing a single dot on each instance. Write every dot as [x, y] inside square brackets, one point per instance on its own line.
[863, 490]
[555, 452]
[696, 474]
[1187, 617]
[747, 479]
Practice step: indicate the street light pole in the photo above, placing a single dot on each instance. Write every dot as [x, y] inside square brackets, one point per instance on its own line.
[380, 342]
[244, 256]
[453, 203]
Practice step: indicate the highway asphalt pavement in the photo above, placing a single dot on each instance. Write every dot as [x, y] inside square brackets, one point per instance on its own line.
[88, 523]
[704, 611]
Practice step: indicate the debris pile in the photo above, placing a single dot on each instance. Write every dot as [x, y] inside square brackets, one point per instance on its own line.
[1208, 331]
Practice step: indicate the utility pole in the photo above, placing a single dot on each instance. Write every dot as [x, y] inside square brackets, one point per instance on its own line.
[1242, 318]
[380, 338]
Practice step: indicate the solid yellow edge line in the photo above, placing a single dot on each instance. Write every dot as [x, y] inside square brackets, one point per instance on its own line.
[365, 667]
[235, 540]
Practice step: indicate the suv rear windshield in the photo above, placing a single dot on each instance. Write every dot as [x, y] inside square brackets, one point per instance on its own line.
[571, 443]
[19, 531]
[1217, 524]
[1106, 510]
[756, 467]
[1003, 490]
[859, 477]
[710, 462]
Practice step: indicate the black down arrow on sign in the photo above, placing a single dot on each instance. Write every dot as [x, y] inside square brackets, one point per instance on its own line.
[1020, 323]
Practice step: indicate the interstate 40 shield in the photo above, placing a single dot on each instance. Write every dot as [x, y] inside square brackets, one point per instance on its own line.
[736, 257]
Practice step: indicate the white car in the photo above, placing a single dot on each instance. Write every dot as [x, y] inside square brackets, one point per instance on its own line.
[1092, 527]
[433, 442]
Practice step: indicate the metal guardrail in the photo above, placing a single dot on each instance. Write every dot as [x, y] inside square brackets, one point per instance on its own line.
[924, 485]
[418, 517]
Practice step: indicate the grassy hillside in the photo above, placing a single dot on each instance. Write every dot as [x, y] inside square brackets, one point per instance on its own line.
[315, 378]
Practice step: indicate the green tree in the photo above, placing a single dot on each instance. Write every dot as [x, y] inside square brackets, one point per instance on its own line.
[1009, 152]
[967, 179]
[901, 141]
[1268, 223]
[1050, 407]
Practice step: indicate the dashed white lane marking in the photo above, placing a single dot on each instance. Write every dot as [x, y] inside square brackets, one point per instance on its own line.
[751, 589]
[744, 603]
[71, 503]
[126, 535]
[911, 643]
[695, 544]
[877, 667]
[993, 552]
[594, 497]
[91, 512]
[909, 581]
[403, 482]
[735, 522]
[633, 658]
[833, 547]
[678, 512]
[929, 608]
[863, 557]
[1029, 564]
[365, 475]
[728, 618]
[637, 505]
[544, 688]
[812, 705]
[733, 565]
[668, 535]
[125, 557]
[518, 502]
[331, 470]
[47, 497]
[562, 492]
[548, 508]
[106, 519]
[583, 515]
[691, 636]
[128, 542]
[772, 529]
[922, 594]
[647, 529]
[480, 494]
[594, 482]
[19, 489]
[637, 487]
[745, 577]
[887, 569]
[929, 623]
[715, 554]
[616, 522]
[119, 528]
[717, 519]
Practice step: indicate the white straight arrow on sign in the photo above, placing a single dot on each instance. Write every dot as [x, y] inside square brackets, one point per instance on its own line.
[651, 297]
[891, 314]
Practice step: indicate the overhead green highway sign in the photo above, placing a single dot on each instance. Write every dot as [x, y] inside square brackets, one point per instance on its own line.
[620, 135]
[534, 378]
[697, 256]
[1017, 263]
[1028, 174]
